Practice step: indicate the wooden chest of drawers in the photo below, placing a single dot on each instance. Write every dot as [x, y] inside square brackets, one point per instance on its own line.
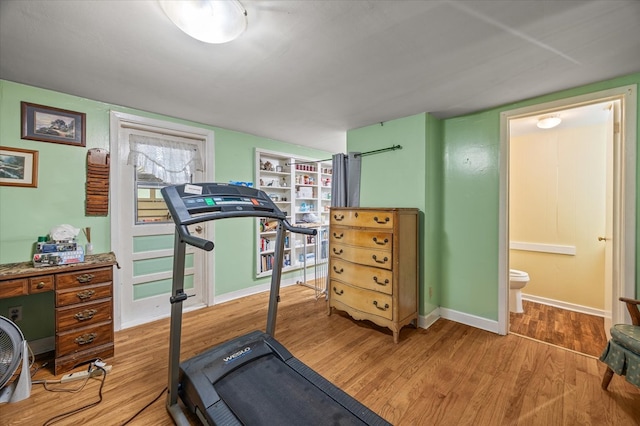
[83, 304]
[373, 265]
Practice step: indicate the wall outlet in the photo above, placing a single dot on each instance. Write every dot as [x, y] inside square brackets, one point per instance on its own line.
[15, 313]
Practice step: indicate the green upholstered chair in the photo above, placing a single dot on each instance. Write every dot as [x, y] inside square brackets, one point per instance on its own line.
[622, 354]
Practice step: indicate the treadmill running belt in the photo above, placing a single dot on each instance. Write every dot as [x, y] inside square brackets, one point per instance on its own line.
[268, 392]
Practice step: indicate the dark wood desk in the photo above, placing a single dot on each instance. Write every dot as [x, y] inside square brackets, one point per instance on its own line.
[83, 303]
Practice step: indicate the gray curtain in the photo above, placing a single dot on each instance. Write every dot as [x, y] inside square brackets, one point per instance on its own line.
[345, 184]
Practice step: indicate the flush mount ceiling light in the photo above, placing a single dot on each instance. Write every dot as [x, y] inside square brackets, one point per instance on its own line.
[211, 21]
[549, 121]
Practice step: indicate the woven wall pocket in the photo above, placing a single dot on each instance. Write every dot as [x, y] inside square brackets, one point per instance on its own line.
[97, 187]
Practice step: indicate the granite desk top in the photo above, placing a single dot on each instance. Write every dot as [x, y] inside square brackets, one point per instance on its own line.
[11, 271]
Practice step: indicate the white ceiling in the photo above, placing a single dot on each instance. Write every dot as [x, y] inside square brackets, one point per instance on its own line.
[305, 72]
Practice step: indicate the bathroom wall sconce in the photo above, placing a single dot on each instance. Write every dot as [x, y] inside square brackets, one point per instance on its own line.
[210, 21]
[548, 121]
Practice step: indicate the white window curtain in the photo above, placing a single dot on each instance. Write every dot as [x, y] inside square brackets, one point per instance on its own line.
[170, 161]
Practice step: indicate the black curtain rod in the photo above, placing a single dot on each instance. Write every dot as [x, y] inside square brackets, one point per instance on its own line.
[362, 154]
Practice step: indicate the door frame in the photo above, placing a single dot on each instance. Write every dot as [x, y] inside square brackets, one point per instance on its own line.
[624, 216]
[117, 121]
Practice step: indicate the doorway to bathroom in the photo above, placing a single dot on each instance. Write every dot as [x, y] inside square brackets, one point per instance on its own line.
[567, 217]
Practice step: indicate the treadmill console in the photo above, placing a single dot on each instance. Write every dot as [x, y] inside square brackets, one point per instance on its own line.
[199, 202]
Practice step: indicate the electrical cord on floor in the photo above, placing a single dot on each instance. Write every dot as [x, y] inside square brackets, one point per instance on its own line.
[63, 416]
[46, 384]
[37, 368]
[145, 407]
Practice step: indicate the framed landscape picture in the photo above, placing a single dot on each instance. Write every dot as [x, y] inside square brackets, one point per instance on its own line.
[48, 124]
[18, 167]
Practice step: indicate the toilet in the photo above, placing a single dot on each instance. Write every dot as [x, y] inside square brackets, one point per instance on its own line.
[517, 281]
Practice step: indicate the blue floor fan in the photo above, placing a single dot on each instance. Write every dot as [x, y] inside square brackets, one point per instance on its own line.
[13, 351]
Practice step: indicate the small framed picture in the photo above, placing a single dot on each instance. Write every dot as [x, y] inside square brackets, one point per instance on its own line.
[48, 124]
[18, 167]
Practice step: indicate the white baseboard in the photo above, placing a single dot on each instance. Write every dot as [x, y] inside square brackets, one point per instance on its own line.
[564, 305]
[470, 320]
[226, 297]
[40, 346]
[428, 320]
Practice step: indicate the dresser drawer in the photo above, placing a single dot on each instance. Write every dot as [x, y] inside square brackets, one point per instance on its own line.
[366, 277]
[12, 288]
[83, 278]
[82, 294]
[360, 238]
[83, 314]
[364, 256]
[362, 218]
[84, 338]
[70, 361]
[367, 301]
[41, 284]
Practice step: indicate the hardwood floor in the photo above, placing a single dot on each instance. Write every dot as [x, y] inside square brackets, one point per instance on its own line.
[449, 374]
[572, 330]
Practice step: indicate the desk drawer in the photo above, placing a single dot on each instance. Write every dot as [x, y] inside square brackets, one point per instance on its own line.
[362, 218]
[370, 302]
[83, 278]
[13, 288]
[82, 294]
[83, 314]
[366, 277]
[84, 338]
[41, 284]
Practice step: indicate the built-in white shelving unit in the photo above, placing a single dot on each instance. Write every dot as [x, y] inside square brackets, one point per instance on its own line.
[301, 187]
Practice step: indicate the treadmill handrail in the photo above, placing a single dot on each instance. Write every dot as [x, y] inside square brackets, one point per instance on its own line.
[201, 243]
[299, 229]
[206, 217]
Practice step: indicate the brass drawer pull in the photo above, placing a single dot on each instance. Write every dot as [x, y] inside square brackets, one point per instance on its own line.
[40, 285]
[87, 314]
[375, 240]
[337, 251]
[380, 261]
[386, 219]
[338, 217]
[339, 293]
[86, 294]
[338, 237]
[336, 270]
[386, 306]
[86, 338]
[85, 278]
[375, 279]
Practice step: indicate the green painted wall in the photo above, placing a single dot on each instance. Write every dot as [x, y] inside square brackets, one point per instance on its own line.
[469, 242]
[432, 232]
[470, 202]
[459, 160]
[26, 213]
[400, 179]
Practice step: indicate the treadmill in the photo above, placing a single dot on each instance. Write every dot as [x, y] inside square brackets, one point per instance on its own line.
[251, 379]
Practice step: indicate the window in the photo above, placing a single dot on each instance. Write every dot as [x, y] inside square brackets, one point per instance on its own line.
[159, 162]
